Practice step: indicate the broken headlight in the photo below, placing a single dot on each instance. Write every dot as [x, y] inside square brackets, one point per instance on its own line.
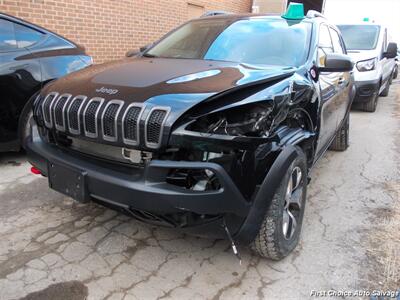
[247, 120]
[366, 65]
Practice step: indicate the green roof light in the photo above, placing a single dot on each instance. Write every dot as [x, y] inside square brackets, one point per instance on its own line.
[295, 11]
[366, 19]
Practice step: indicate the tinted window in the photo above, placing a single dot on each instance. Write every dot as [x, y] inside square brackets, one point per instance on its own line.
[254, 41]
[26, 36]
[337, 43]
[360, 37]
[7, 36]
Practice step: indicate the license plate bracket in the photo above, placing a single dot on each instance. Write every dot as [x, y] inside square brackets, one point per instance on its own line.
[68, 181]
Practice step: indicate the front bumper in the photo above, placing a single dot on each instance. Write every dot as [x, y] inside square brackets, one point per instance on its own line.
[146, 190]
[143, 189]
[366, 90]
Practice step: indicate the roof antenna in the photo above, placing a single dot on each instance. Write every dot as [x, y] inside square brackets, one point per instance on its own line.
[233, 246]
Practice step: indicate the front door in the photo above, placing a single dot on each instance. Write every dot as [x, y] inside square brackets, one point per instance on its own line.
[330, 101]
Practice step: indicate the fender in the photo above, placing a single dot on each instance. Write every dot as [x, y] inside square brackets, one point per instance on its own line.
[249, 229]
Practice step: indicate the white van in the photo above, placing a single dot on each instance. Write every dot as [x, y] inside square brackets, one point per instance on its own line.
[374, 57]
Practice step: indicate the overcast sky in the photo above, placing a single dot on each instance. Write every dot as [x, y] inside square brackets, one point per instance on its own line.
[386, 12]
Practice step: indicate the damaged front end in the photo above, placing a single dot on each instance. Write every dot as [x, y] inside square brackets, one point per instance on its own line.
[245, 138]
[212, 162]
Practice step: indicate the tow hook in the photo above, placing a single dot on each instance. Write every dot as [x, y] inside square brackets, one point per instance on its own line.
[35, 171]
[233, 245]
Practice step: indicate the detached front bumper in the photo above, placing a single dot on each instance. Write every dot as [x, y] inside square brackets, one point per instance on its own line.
[366, 90]
[143, 189]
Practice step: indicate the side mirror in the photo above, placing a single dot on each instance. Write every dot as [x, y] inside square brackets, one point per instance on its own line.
[144, 48]
[391, 51]
[132, 52]
[337, 63]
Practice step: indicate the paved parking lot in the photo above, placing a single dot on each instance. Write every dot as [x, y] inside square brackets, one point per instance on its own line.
[51, 246]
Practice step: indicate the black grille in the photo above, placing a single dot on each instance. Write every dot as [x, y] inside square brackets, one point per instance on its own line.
[109, 120]
[73, 117]
[46, 108]
[131, 123]
[154, 125]
[90, 117]
[59, 112]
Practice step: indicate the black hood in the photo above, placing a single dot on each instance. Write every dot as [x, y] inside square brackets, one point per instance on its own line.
[140, 79]
[177, 86]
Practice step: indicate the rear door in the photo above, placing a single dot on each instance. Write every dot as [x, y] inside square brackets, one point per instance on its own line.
[20, 74]
[329, 92]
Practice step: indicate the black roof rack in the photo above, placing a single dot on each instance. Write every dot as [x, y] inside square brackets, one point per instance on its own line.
[215, 13]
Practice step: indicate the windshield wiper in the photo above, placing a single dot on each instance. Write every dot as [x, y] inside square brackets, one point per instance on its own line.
[149, 55]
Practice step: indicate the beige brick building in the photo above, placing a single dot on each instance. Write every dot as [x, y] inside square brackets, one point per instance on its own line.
[279, 6]
[108, 28]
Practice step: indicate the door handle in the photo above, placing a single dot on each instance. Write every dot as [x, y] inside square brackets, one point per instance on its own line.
[341, 81]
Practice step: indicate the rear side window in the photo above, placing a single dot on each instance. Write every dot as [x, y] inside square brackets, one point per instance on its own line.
[26, 36]
[7, 36]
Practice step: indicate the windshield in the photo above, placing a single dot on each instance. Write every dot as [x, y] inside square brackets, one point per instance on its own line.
[251, 41]
[360, 37]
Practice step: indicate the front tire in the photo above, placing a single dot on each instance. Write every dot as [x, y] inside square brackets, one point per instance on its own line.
[370, 106]
[341, 141]
[24, 125]
[385, 92]
[280, 230]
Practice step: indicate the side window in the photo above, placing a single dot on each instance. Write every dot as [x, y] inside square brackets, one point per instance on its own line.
[7, 36]
[324, 44]
[337, 44]
[26, 36]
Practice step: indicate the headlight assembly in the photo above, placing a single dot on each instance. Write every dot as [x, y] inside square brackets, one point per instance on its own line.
[247, 120]
[366, 65]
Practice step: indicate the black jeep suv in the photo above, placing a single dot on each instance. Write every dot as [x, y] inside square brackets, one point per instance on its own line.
[212, 130]
[30, 56]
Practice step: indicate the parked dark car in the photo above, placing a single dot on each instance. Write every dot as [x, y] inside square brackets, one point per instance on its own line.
[30, 56]
[213, 130]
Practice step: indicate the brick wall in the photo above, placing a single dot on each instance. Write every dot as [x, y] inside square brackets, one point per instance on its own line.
[108, 28]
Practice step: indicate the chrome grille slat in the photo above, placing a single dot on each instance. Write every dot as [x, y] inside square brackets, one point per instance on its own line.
[46, 109]
[59, 111]
[90, 117]
[73, 114]
[130, 123]
[154, 126]
[109, 120]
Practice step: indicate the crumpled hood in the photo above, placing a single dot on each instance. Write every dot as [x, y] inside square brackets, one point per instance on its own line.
[175, 85]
